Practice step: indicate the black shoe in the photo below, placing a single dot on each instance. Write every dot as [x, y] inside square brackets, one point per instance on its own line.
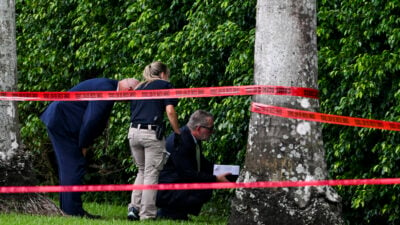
[90, 216]
[133, 214]
[171, 215]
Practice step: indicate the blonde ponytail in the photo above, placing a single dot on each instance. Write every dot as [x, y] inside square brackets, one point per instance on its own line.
[153, 72]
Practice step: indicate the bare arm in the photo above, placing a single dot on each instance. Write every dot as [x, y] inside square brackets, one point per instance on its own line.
[173, 118]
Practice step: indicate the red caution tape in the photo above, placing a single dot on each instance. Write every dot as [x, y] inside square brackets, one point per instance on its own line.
[206, 92]
[159, 94]
[324, 118]
[183, 186]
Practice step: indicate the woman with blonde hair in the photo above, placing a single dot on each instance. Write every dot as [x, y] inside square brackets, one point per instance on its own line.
[146, 139]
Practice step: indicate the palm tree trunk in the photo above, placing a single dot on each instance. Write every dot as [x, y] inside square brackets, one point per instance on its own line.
[280, 148]
[15, 167]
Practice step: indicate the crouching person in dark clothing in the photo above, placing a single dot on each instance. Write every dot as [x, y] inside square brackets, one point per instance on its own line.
[187, 164]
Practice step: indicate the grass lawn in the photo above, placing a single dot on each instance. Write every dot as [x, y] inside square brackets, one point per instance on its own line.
[111, 215]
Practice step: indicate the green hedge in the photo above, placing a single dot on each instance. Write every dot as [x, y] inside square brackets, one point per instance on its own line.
[204, 43]
[359, 58]
[210, 43]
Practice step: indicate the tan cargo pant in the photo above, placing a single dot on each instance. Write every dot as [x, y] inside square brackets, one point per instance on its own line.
[150, 156]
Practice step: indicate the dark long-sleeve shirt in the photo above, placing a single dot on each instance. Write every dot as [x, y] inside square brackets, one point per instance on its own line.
[181, 166]
[82, 120]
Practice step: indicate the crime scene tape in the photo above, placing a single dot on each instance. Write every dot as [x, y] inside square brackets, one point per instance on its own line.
[160, 94]
[183, 186]
[206, 92]
[324, 118]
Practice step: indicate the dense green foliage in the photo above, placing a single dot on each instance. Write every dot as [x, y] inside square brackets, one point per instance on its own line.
[205, 43]
[359, 55]
[210, 43]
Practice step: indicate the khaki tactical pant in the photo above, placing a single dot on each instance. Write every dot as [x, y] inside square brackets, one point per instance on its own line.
[150, 156]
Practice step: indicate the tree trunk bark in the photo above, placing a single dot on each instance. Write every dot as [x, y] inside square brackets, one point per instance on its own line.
[280, 148]
[15, 168]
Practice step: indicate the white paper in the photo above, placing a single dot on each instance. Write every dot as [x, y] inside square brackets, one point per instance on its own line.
[220, 169]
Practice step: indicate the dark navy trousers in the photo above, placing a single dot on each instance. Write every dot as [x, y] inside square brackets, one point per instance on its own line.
[182, 202]
[71, 169]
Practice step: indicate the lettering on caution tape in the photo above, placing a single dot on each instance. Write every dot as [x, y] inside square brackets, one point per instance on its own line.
[160, 94]
[324, 118]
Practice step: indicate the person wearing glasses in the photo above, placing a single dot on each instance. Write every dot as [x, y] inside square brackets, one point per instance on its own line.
[187, 164]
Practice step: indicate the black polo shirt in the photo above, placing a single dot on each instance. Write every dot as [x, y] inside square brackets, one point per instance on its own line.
[145, 111]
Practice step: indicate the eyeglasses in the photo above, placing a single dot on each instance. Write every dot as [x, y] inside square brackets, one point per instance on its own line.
[208, 128]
